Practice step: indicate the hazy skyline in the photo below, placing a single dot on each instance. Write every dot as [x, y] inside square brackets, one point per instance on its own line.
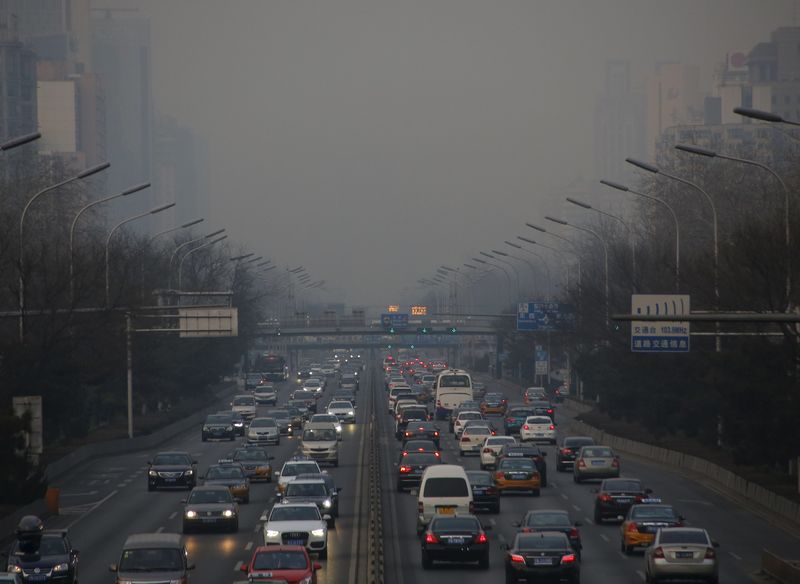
[373, 140]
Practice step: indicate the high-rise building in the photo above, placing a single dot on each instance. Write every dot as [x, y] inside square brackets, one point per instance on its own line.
[674, 98]
[175, 170]
[18, 76]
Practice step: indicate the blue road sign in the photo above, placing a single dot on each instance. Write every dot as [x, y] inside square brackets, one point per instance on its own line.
[397, 320]
[660, 336]
[545, 316]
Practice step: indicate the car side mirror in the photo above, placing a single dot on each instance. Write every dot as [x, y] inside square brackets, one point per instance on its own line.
[184, 501]
[317, 566]
[339, 490]
[244, 568]
[149, 463]
[279, 495]
[277, 473]
[681, 518]
[190, 566]
[505, 546]
[263, 517]
[112, 567]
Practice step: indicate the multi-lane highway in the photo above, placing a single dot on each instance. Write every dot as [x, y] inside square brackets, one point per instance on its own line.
[106, 499]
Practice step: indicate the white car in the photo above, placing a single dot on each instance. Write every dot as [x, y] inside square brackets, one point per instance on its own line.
[244, 405]
[328, 370]
[343, 410]
[538, 428]
[332, 418]
[321, 443]
[292, 468]
[297, 524]
[472, 439]
[266, 394]
[263, 431]
[491, 449]
[458, 425]
[313, 384]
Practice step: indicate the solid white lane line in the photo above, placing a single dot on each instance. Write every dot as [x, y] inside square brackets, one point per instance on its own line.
[121, 485]
[552, 484]
[623, 556]
[92, 508]
[173, 514]
[160, 529]
[604, 537]
[501, 538]
[733, 555]
[248, 546]
[90, 483]
[238, 566]
[79, 494]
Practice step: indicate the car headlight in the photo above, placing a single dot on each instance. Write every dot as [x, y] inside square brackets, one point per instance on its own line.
[229, 428]
[228, 513]
[206, 429]
[351, 413]
[318, 532]
[153, 473]
[191, 514]
[15, 569]
[306, 580]
[177, 581]
[273, 533]
[189, 473]
[240, 486]
[327, 503]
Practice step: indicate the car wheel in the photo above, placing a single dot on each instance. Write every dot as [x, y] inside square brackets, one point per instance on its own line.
[575, 479]
[625, 549]
[335, 463]
[575, 579]
[204, 439]
[246, 500]
[559, 467]
[332, 523]
[510, 579]
[231, 438]
[427, 562]
[483, 466]
[323, 555]
[483, 563]
[544, 480]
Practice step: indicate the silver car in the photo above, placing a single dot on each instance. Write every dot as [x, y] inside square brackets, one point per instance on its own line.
[595, 462]
[263, 431]
[682, 552]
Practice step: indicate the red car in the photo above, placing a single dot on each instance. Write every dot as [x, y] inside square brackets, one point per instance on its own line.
[289, 563]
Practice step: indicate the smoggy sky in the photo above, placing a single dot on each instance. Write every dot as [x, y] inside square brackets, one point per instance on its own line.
[373, 140]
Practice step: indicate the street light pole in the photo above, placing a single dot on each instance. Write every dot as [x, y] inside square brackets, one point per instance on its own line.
[83, 209]
[81, 175]
[19, 141]
[190, 252]
[185, 244]
[557, 236]
[605, 253]
[623, 188]
[540, 258]
[513, 268]
[502, 269]
[111, 233]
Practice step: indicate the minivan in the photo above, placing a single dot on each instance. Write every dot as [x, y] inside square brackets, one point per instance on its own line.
[444, 490]
[153, 557]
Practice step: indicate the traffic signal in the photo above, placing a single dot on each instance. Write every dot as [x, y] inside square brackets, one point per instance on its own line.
[391, 330]
[412, 346]
[388, 346]
[453, 330]
[423, 330]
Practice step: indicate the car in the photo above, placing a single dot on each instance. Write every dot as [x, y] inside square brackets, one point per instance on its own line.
[328, 418]
[457, 538]
[491, 449]
[309, 491]
[349, 381]
[514, 418]
[640, 525]
[293, 467]
[466, 406]
[153, 557]
[420, 445]
[494, 403]
[251, 380]
[543, 408]
[428, 380]
[321, 442]
[484, 492]
[171, 469]
[532, 394]
[343, 410]
[347, 395]
[244, 405]
[537, 520]
[297, 417]
[55, 560]
[538, 428]
[255, 462]
[472, 439]
[568, 450]
[544, 555]
[463, 417]
[297, 524]
[478, 390]
[408, 416]
[328, 370]
[230, 475]
[284, 420]
[444, 490]
[330, 485]
[595, 462]
[263, 431]
[281, 563]
[236, 420]
[517, 474]
[210, 507]
[422, 429]
[485, 423]
[528, 450]
[308, 398]
[399, 392]
[615, 497]
[682, 552]
[313, 384]
[217, 427]
[266, 394]
[412, 466]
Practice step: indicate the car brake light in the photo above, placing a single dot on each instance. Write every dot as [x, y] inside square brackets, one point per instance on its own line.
[573, 533]
[604, 498]
[481, 538]
[487, 450]
[509, 420]
[581, 462]
[517, 559]
[550, 411]
[420, 507]
[436, 433]
[568, 559]
[405, 469]
[710, 554]
[639, 498]
[430, 538]
[526, 427]
[615, 463]
[404, 453]
[437, 454]
[465, 439]
[494, 433]
[552, 427]
[633, 527]
[566, 451]
[408, 433]
[658, 552]
[526, 530]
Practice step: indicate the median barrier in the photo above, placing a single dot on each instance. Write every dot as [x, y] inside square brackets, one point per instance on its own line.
[781, 569]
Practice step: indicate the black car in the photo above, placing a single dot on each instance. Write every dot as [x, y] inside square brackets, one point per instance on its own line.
[528, 450]
[484, 492]
[552, 520]
[543, 408]
[330, 484]
[409, 415]
[419, 445]
[544, 555]
[218, 427]
[568, 450]
[171, 469]
[54, 561]
[299, 411]
[616, 496]
[515, 417]
[427, 430]
[236, 420]
[458, 538]
[411, 467]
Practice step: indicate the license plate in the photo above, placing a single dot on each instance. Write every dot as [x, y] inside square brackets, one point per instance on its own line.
[518, 476]
[208, 520]
[624, 500]
[478, 491]
[684, 555]
[170, 480]
[539, 433]
[598, 463]
[446, 510]
[542, 562]
[36, 577]
[456, 540]
[294, 542]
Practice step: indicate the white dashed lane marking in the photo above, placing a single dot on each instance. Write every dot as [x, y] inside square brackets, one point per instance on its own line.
[248, 546]
[238, 566]
[173, 514]
[733, 555]
[604, 536]
[563, 496]
[160, 529]
[576, 508]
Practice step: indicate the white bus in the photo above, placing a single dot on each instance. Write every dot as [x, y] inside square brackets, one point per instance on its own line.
[453, 387]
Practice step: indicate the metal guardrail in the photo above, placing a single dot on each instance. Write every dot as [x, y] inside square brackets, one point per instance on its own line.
[375, 540]
[783, 570]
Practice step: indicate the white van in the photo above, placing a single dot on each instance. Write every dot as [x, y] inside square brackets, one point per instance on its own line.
[445, 490]
[453, 387]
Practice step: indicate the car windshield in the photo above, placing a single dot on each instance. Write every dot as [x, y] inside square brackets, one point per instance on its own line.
[596, 453]
[653, 512]
[225, 472]
[280, 560]
[217, 420]
[280, 414]
[152, 560]
[263, 423]
[321, 435]
[341, 405]
[265, 388]
[295, 489]
[520, 412]
[244, 401]
[550, 519]
[171, 459]
[50, 545]
[289, 513]
[481, 479]
[622, 485]
[324, 418]
[515, 464]
[477, 431]
[455, 524]
[470, 416]
[539, 420]
[499, 440]
[296, 468]
[206, 497]
[537, 542]
[250, 455]
[683, 536]
[577, 442]
[454, 381]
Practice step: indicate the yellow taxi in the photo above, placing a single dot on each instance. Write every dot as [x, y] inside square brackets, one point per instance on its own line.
[639, 528]
[494, 403]
[255, 462]
[517, 474]
[231, 475]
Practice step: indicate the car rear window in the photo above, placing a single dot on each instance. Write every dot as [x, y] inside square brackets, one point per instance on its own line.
[577, 442]
[455, 524]
[538, 542]
[454, 381]
[682, 536]
[555, 519]
[645, 512]
[622, 485]
[446, 487]
[597, 452]
[480, 478]
[420, 458]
